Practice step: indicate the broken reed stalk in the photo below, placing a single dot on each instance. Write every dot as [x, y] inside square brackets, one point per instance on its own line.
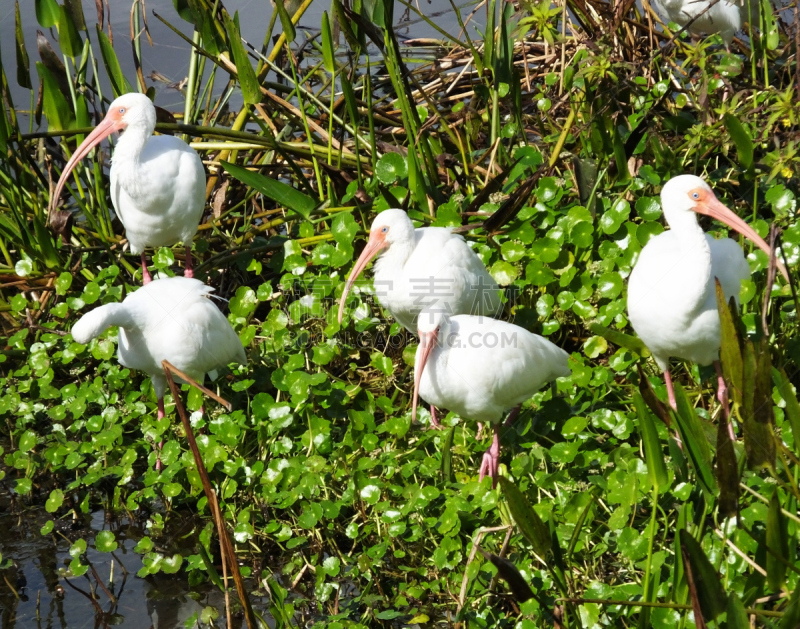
[226, 547]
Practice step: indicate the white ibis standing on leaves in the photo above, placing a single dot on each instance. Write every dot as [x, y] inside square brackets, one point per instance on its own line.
[480, 368]
[168, 319]
[672, 302]
[421, 267]
[158, 184]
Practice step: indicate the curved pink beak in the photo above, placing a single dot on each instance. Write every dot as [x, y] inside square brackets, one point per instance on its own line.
[109, 125]
[427, 341]
[376, 242]
[712, 207]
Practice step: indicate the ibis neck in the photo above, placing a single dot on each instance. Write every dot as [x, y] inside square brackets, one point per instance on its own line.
[394, 257]
[695, 256]
[128, 152]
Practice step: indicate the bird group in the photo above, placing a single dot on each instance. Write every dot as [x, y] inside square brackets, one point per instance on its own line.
[429, 279]
[158, 192]
[481, 367]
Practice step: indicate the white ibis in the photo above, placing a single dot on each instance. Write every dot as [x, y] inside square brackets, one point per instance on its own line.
[158, 184]
[671, 292]
[421, 267]
[725, 17]
[168, 319]
[480, 368]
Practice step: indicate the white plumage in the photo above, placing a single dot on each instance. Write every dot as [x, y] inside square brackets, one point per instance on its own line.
[671, 292]
[421, 267]
[480, 368]
[725, 17]
[168, 319]
[157, 182]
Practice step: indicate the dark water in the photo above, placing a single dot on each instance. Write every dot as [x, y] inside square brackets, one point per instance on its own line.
[47, 598]
[169, 54]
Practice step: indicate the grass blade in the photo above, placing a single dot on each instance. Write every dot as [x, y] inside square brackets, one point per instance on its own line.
[792, 410]
[777, 544]
[47, 13]
[328, 60]
[620, 339]
[55, 105]
[251, 92]
[759, 438]
[447, 456]
[276, 190]
[119, 84]
[286, 21]
[69, 39]
[528, 521]
[695, 441]
[741, 139]
[23, 64]
[727, 471]
[710, 595]
[737, 616]
[730, 352]
[654, 456]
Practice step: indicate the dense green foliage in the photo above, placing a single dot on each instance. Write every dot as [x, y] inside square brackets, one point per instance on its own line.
[560, 140]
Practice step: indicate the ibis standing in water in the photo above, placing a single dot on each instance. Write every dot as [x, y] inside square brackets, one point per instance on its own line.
[158, 184]
[421, 267]
[480, 368]
[672, 302]
[168, 319]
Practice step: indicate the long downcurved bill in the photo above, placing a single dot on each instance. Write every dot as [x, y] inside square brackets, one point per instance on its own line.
[374, 245]
[717, 210]
[101, 131]
[427, 341]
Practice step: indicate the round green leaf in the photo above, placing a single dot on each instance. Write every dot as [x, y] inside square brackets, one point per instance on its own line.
[595, 346]
[105, 542]
[27, 441]
[504, 273]
[391, 167]
[54, 501]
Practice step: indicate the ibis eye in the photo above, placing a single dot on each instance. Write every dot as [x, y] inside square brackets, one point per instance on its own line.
[695, 195]
[122, 110]
[384, 230]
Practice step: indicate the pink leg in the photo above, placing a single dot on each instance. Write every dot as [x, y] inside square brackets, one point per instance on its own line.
[479, 434]
[146, 277]
[189, 270]
[722, 396]
[491, 459]
[161, 415]
[512, 415]
[673, 403]
[670, 390]
[435, 423]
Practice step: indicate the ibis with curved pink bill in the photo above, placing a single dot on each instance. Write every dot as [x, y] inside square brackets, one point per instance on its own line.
[417, 268]
[420, 267]
[672, 302]
[158, 183]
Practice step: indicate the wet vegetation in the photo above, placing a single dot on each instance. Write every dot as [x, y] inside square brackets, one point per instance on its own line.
[545, 132]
